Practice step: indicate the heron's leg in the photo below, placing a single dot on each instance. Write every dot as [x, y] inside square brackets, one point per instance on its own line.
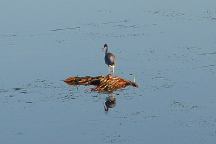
[113, 68]
[109, 69]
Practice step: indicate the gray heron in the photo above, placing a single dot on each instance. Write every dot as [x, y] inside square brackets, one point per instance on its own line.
[109, 59]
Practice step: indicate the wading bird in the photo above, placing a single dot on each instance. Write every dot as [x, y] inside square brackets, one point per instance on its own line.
[109, 59]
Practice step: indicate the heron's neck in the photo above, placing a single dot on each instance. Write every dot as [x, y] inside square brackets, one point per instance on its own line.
[106, 50]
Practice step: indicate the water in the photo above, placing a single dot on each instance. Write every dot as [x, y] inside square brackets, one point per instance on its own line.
[169, 47]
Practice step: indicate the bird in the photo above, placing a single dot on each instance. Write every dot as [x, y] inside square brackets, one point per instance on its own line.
[109, 59]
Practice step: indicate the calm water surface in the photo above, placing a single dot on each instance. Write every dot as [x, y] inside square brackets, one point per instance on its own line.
[169, 46]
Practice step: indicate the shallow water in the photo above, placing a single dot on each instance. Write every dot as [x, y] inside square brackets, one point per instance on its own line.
[169, 47]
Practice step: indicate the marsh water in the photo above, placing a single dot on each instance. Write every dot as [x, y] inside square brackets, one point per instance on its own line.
[168, 46]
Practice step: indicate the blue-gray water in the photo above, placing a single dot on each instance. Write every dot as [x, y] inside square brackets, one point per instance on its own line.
[169, 46]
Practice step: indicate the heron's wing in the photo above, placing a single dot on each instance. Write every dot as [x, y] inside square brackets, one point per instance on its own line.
[111, 58]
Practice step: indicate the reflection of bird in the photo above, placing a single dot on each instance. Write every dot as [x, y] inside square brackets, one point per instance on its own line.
[110, 102]
[109, 59]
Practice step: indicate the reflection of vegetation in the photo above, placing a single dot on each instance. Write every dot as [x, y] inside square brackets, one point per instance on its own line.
[110, 102]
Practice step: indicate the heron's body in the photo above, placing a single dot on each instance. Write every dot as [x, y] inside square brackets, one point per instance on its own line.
[109, 59]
